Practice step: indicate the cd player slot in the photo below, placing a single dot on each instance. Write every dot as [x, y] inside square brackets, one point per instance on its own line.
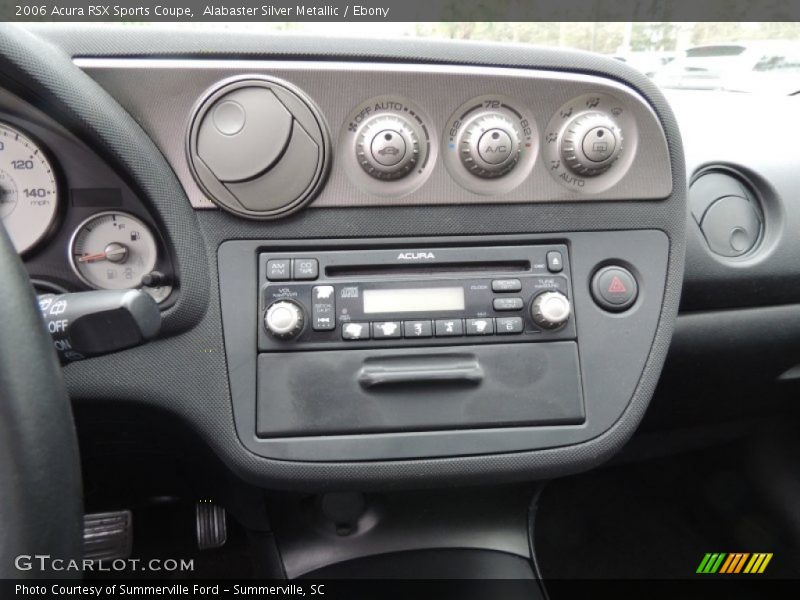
[350, 271]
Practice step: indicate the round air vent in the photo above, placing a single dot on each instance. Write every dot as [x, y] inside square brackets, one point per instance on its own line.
[259, 148]
[727, 211]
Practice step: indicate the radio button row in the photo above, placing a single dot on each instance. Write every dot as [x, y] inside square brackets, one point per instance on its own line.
[355, 331]
[449, 327]
[480, 326]
[283, 269]
[507, 303]
[506, 285]
[386, 330]
[417, 329]
[508, 325]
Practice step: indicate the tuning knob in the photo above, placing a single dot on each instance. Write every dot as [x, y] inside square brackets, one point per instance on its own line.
[591, 143]
[387, 147]
[550, 310]
[284, 319]
[489, 145]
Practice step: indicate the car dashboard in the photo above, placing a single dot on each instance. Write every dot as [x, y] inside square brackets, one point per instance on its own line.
[385, 263]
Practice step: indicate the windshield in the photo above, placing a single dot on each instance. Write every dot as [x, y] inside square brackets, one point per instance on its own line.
[739, 57]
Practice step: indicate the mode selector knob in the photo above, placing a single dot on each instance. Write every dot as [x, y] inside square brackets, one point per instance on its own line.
[489, 145]
[592, 141]
[284, 319]
[387, 147]
[550, 310]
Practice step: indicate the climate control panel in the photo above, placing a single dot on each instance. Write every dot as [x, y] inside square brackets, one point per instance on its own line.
[439, 296]
[258, 144]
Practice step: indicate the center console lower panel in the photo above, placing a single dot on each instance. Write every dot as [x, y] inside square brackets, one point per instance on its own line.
[501, 385]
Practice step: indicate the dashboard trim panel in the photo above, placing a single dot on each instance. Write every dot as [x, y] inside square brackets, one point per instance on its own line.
[338, 87]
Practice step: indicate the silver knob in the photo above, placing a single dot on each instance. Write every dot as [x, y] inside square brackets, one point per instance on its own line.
[592, 141]
[550, 310]
[387, 147]
[489, 145]
[284, 319]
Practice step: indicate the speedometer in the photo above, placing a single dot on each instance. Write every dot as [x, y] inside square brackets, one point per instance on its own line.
[28, 190]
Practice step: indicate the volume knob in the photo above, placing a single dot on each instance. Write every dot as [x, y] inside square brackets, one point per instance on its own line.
[591, 143]
[284, 319]
[489, 145]
[550, 310]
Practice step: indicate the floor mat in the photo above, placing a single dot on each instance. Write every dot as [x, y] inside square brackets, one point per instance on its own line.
[656, 520]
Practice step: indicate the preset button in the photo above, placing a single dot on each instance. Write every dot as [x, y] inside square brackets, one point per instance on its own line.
[386, 330]
[507, 325]
[480, 326]
[355, 331]
[449, 327]
[417, 329]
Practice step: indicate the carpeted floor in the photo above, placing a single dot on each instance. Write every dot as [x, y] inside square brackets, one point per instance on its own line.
[657, 520]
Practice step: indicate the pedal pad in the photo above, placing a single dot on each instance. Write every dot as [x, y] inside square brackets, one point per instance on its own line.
[212, 530]
[108, 535]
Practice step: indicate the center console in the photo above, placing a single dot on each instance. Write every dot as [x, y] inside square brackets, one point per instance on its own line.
[403, 348]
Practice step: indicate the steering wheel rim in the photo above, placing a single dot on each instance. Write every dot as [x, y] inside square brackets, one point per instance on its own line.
[41, 509]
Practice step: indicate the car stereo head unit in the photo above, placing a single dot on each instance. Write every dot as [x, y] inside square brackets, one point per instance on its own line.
[414, 297]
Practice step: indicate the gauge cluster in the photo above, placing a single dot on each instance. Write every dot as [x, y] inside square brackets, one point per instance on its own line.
[28, 189]
[75, 223]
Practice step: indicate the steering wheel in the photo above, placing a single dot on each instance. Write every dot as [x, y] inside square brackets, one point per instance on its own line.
[41, 509]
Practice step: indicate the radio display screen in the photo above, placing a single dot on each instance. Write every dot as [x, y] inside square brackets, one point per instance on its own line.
[413, 300]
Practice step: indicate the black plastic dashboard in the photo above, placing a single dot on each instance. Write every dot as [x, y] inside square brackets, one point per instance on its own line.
[207, 370]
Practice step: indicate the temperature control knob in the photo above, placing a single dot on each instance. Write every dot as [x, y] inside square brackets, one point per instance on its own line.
[489, 145]
[387, 147]
[591, 143]
[284, 319]
[550, 310]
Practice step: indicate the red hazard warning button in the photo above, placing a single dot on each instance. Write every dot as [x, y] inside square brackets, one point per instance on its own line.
[614, 288]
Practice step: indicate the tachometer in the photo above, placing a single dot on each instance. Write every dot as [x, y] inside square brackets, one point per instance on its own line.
[28, 190]
[113, 250]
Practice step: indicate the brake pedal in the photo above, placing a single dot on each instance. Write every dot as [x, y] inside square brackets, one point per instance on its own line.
[212, 530]
[107, 535]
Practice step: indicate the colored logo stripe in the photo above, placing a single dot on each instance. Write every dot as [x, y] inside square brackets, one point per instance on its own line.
[734, 563]
[710, 563]
[758, 563]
